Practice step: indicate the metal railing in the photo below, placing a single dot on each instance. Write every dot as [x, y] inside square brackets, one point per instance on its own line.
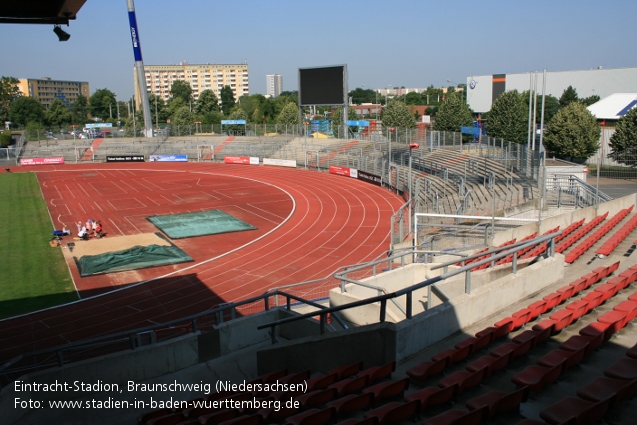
[134, 338]
[493, 254]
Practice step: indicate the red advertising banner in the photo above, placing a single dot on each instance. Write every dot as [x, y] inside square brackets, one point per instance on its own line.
[42, 161]
[248, 160]
[341, 171]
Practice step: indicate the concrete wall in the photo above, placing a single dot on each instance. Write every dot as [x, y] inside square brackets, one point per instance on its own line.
[563, 220]
[492, 292]
[374, 345]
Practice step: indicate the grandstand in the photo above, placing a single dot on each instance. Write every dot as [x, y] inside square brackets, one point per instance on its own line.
[537, 325]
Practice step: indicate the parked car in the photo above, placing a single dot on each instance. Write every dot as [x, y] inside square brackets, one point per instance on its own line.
[75, 133]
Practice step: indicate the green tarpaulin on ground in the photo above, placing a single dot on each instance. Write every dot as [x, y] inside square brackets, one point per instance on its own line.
[198, 223]
[137, 257]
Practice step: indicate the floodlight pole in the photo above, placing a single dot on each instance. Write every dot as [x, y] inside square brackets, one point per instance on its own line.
[139, 68]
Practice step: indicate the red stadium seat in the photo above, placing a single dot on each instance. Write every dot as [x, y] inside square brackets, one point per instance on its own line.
[317, 398]
[624, 368]
[346, 371]
[387, 390]
[574, 409]
[562, 319]
[424, 370]
[350, 385]
[432, 396]
[395, 412]
[564, 357]
[537, 308]
[498, 401]
[581, 342]
[377, 373]
[628, 306]
[605, 388]
[462, 379]
[489, 363]
[350, 403]
[537, 377]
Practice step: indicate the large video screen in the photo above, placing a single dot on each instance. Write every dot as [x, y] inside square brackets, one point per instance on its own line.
[323, 86]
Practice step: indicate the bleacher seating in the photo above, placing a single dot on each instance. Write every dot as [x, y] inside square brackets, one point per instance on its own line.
[352, 394]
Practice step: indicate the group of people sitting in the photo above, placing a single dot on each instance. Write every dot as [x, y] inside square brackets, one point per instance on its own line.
[93, 228]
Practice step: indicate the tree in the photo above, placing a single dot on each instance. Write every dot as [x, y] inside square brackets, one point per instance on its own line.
[80, 109]
[588, 101]
[568, 96]
[59, 114]
[181, 89]
[26, 110]
[337, 116]
[9, 92]
[573, 132]
[175, 104]
[508, 117]
[623, 142]
[360, 95]
[6, 138]
[183, 117]
[227, 100]
[101, 103]
[452, 114]
[396, 114]
[158, 109]
[207, 102]
[414, 98]
[289, 115]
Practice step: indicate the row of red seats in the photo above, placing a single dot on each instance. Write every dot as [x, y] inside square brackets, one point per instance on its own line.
[584, 246]
[596, 398]
[568, 242]
[612, 243]
[497, 360]
[321, 390]
[521, 252]
[446, 358]
[570, 353]
[574, 349]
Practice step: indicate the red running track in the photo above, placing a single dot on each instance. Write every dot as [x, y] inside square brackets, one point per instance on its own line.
[309, 224]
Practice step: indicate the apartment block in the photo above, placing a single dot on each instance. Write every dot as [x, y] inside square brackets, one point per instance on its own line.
[47, 90]
[274, 85]
[160, 78]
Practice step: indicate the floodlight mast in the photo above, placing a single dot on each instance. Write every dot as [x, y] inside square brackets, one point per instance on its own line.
[139, 68]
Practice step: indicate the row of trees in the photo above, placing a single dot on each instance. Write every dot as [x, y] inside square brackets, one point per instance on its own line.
[181, 108]
[570, 130]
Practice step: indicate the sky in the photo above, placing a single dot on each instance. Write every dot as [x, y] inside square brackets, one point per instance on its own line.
[397, 43]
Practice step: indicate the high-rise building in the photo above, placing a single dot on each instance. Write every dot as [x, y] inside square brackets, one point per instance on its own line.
[274, 84]
[160, 78]
[47, 90]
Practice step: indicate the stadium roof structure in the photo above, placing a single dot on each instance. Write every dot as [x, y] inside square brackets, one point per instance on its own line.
[614, 106]
[39, 11]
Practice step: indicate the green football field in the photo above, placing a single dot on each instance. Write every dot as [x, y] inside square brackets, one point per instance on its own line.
[33, 275]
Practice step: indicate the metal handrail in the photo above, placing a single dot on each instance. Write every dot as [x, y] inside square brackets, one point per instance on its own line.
[494, 255]
[58, 351]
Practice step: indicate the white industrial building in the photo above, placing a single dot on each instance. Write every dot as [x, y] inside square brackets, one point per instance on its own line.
[482, 90]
